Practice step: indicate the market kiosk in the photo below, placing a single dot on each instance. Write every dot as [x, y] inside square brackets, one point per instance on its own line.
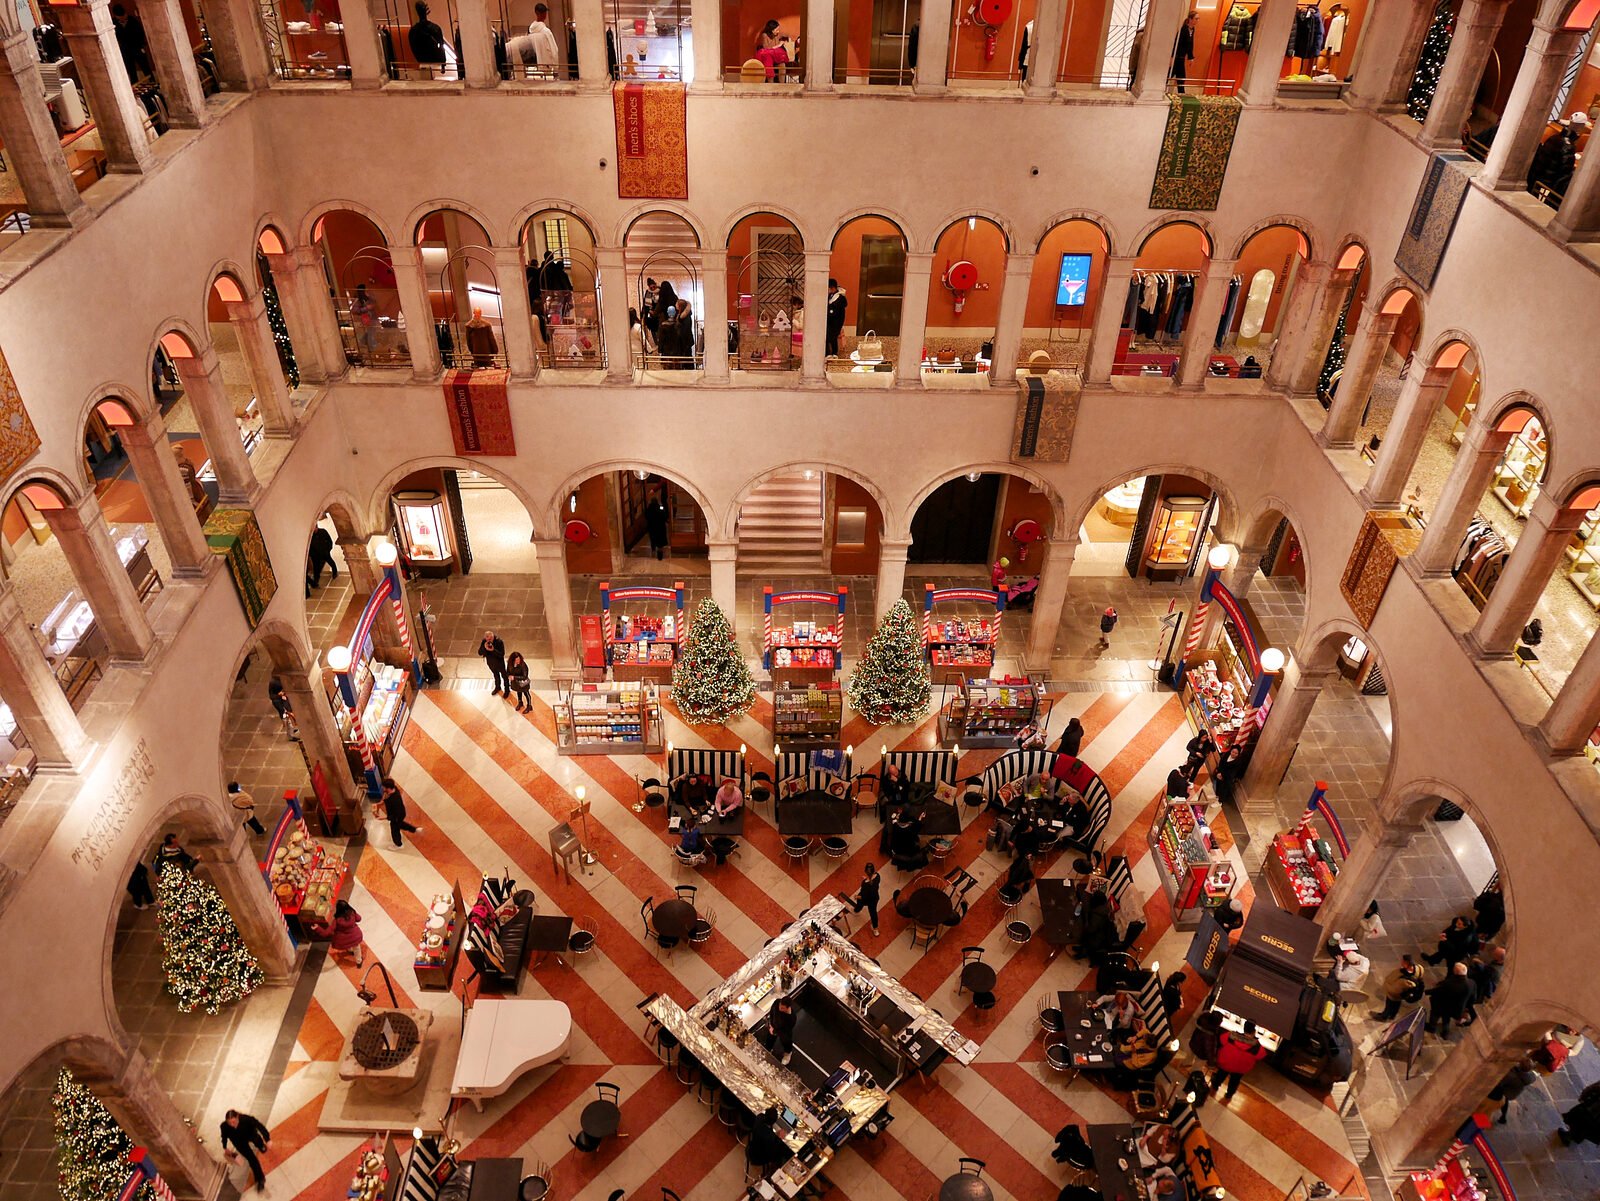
[959, 647]
[1227, 684]
[608, 719]
[371, 698]
[305, 877]
[804, 652]
[642, 646]
[990, 713]
[1190, 841]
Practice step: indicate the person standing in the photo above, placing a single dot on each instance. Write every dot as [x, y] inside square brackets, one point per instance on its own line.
[139, 887]
[364, 320]
[655, 523]
[838, 308]
[394, 808]
[171, 851]
[284, 710]
[1450, 1000]
[547, 55]
[1484, 972]
[132, 43]
[1457, 942]
[493, 652]
[318, 556]
[242, 1136]
[867, 894]
[1583, 1119]
[426, 39]
[517, 680]
[246, 805]
[344, 933]
[1108, 622]
[1236, 1056]
[1403, 986]
[783, 1020]
[1491, 910]
[1172, 995]
[1512, 1085]
[1071, 738]
[1183, 52]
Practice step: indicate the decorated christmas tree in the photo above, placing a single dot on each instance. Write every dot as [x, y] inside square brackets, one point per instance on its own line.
[1334, 363]
[711, 681]
[890, 684]
[275, 322]
[91, 1149]
[1435, 46]
[206, 960]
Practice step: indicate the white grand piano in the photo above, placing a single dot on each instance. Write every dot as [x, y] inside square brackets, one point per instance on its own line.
[504, 1038]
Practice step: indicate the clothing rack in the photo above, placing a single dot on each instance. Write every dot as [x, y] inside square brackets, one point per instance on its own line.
[1480, 560]
[1229, 308]
[1159, 304]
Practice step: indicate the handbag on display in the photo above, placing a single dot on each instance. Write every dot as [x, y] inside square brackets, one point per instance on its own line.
[871, 346]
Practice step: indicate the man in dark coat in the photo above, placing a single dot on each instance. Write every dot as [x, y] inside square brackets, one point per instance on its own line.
[426, 38]
[655, 523]
[1183, 51]
[1484, 972]
[394, 808]
[1450, 999]
[242, 1136]
[318, 556]
[1491, 910]
[493, 652]
[838, 305]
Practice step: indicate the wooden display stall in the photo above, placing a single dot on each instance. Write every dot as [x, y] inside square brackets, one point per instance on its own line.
[609, 719]
[961, 647]
[802, 652]
[439, 945]
[808, 717]
[642, 646]
[305, 878]
[978, 713]
[1190, 841]
[371, 698]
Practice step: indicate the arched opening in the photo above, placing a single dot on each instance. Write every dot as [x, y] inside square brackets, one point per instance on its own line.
[876, 43]
[1257, 301]
[1499, 73]
[969, 270]
[868, 263]
[1064, 294]
[802, 521]
[1518, 451]
[463, 293]
[661, 252]
[227, 328]
[305, 41]
[1269, 574]
[111, 446]
[1396, 325]
[653, 43]
[563, 280]
[199, 408]
[1352, 259]
[1427, 436]
[365, 297]
[758, 47]
[766, 291]
[990, 43]
[1160, 300]
[1314, 58]
[271, 242]
[1153, 527]
[632, 522]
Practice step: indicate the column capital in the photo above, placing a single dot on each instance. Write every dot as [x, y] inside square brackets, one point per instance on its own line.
[722, 550]
[250, 308]
[894, 548]
[819, 260]
[611, 257]
[920, 261]
[1220, 268]
[1019, 263]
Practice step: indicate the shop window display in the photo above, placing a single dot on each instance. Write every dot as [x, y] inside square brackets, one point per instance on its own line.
[563, 282]
[875, 42]
[969, 264]
[366, 298]
[1160, 302]
[1064, 294]
[766, 272]
[991, 40]
[867, 268]
[661, 255]
[650, 40]
[762, 43]
[305, 39]
[420, 42]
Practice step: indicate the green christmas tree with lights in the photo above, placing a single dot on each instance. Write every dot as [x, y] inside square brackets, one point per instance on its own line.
[1334, 363]
[208, 965]
[1430, 64]
[890, 684]
[91, 1149]
[275, 322]
[711, 681]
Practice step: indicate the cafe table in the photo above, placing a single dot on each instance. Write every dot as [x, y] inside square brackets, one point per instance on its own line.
[1110, 1144]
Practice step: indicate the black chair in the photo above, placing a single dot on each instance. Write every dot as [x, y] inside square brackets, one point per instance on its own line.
[1073, 1149]
[653, 793]
[666, 1195]
[609, 1092]
[970, 1167]
[1019, 932]
[535, 1185]
[583, 937]
[686, 892]
[983, 1001]
[956, 914]
[723, 847]
[1010, 897]
[760, 788]
[584, 1143]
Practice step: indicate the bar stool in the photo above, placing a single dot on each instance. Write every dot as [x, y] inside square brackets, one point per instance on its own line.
[585, 934]
[1051, 1019]
[799, 848]
[835, 847]
[653, 793]
[760, 787]
[704, 924]
[1019, 932]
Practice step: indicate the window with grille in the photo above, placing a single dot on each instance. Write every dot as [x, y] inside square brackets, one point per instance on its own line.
[555, 239]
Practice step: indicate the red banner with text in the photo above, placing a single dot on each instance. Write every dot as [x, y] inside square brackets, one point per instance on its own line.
[480, 412]
[652, 141]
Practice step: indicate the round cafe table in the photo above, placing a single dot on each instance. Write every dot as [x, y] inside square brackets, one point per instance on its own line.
[964, 1186]
[674, 918]
[930, 906]
[600, 1119]
[978, 977]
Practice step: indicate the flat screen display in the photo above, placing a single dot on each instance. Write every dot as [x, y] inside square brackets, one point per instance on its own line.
[1072, 284]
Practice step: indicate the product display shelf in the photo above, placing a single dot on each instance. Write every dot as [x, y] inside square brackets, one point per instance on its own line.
[1188, 850]
[305, 878]
[601, 719]
[990, 713]
[439, 945]
[963, 646]
[1583, 557]
[1452, 1182]
[805, 651]
[1516, 479]
[808, 717]
[642, 646]
[384, 694]
[1298, 875]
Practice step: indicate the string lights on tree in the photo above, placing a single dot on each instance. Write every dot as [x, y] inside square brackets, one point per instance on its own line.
[91, 1148]
[207, 963]
[1334, 363]
[891, 682]
[711, 681]
[1430, 64]
[276, 323]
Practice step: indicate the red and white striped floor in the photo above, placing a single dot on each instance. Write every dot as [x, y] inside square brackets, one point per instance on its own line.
[487, 784]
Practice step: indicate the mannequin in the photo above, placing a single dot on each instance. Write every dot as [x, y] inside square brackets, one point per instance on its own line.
[481, 340]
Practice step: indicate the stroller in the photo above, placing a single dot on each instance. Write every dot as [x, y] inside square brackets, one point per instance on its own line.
[1020, 595]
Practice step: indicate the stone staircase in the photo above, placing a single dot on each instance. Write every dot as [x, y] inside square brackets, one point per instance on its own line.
[780, 525]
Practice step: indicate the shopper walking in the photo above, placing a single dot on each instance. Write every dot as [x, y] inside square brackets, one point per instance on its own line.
[517, 679]
[1449, 1000]
[1403, 986]
[394, 809]
[655, 520]
[1484, 972]
[838, 308]
[867, 894]
[493, 653]
[242, 1136]
[1071, 738]
[1236, 1056]
[246, 806]
[1183, 51]
[1457, 942]
[1490, 907]
[1512, 1085]
[1583, 1119]
[139, 887]
[1172, 995]
[1108, 622]
[344, 933]
[281, 706]
[319, 555]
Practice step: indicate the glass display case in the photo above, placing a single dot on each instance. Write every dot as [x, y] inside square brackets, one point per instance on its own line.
[422, 526]
[572, 320]
[1191, 856]
[990, 713]
[1583, 558]
[653, 40]
[1175, 534]
[609, 719]
[133, 549]
[383, 697]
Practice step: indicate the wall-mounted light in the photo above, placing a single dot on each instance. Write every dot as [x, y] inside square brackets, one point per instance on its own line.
[640, 474]
[384, 552]
[339, 658]
[1219, 556]
[572, 503]
[1272, 660]
[972, 223]
[810, 475]
[974, 476]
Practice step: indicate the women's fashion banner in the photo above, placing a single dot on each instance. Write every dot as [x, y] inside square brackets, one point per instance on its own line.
[1433, 218]
[235, 535]
[1194, 152]
[18, 439]
[652, 141]
[480, 412]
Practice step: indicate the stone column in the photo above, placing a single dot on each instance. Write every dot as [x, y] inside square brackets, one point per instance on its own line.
[818, 49]
[1200, 335]
[1527, 113]
[933, 48]
[364, 575]
[361, 44]
[173, 62]
[714, 315]
[1578, 219]
[118, 117]
[913, 316]
[301, 316]
[1044, 50]
[1108, 317]
[1420, 395]
[317, 295]
[250, 326]
[478, 67]
[236, 40]
[1481, 451]
[231, 865]
[724, 555]
[1362, 362]
[1575, 712]
[201, 378]
[40, 708]
[1303, 348]
[516, 315]
[814, 349]
[1009, 321]
[1239, 575]
[557, 589]
[1477, 23]
[33, 148]
[1274, 25]
[615, 297]
[102, 579]
[137, 1100]
[589, 16]
[705, 23]
[163, 489]
[412, 288]
[1160, 40]
[1528, 570]
[1391, 41]
[1297, 693]
[1048, 602]
[891, 573]
[1369, 868]
[322, 742]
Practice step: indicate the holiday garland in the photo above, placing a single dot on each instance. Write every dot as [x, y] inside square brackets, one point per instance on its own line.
[890, 684]
[711, 681]
[91, 1148]
[1430, 63]
[275, 321]
[204, 954]
[1334, 363]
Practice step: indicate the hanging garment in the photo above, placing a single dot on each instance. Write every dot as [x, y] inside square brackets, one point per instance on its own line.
[1022, 51]
[1227, 311]
[1182, 299]
[1306, 37]
[1238, 28]
[1144, 321]
[1131, 305]
[1334, 42]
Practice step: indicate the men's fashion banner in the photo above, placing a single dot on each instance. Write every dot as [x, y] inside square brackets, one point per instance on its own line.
[236, 536]
[18, 439]
[1433, 218]
[1194, 152]
[1384, 539]
[652, 141]
[1047, 416]
[480, 412]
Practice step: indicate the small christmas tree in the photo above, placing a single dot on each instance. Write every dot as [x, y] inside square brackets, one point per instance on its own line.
[891, 684]
[91, 1149]
[1435, 46]
[1334, 363]
[205, 957]
[711, 681]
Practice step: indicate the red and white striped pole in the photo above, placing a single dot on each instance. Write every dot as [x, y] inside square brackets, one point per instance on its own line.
[1217, 560]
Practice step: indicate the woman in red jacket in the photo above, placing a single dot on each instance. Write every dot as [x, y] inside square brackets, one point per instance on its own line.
[1235, 1057]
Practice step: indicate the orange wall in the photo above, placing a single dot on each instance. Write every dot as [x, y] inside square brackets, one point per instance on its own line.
[594, 556]
[1084, 41]
[1175, 247]
[1460, 390]
[742, 22]
[345, 233]
[1515, 29]
[985, 247]
[739, 249]
[1275, 250]
[967, 41]
[844, 264]
[848, 494]
[1404, 339]
[1019, 501]
[1070, 237]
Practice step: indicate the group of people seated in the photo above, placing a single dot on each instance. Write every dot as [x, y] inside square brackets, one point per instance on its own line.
[695, 795]
[1158, 1150]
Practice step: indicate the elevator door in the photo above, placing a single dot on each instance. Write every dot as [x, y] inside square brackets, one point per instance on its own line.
[956, 523]
[883, 281]
[892, 23]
